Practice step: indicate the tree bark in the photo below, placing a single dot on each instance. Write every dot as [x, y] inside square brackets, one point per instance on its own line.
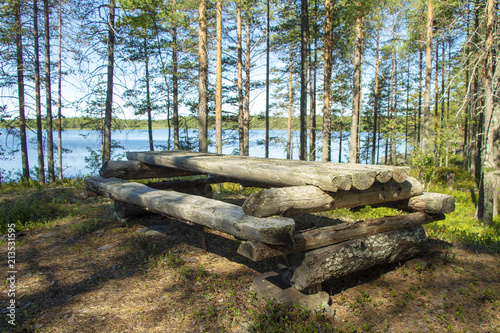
[312, 91]
[246, 113]
[315, 266]
[203, 76]
[289, 141]
[317, 238]
[138, 170]
[304, 32]
[376, 95]
[428, 69]
[175, 87]
[20, 90]
[326, 150]
[41, 162]
[48, 93]
[356, 91]
[266, 153]
[59, 94]
[106, 153]
[240, 82]
[218, 80]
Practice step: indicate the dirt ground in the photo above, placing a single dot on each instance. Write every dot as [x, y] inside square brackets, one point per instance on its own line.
[91, 273]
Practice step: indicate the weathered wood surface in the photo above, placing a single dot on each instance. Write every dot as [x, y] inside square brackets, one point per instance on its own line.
[312, 267]
[275, 172]
[211, 213]
[138, 170]
[295, 200]
[430, 203]
[316, 238]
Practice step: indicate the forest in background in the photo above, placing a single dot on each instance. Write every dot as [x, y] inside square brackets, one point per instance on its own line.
[420, 72]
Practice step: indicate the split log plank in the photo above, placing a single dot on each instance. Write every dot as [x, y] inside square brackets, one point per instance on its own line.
[295, 200]
[317, 238]
[211, 213]
[138, 170]
[275, 172]
[316, 266]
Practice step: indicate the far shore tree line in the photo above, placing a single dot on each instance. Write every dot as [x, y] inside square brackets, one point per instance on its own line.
[420, 72]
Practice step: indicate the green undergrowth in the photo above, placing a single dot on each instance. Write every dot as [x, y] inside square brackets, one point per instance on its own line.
[461, 226]
[32, 204]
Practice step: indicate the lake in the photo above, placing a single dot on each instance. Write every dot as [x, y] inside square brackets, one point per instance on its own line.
[78, 143]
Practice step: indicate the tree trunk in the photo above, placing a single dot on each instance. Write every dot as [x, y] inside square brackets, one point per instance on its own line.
[312, 91]
[266, 154]
[203, 77]
[392, 95]
[106, 153]
[246, 114]
[419, 118]
[175, 87]
[41, 167]
[59, 95]
[289, 141]
[218, 81]
[240, 82]
[326, 150]
[48, 93]
[376, 93]
[428, 70]
[148, 94]
[356, 107]
[341, 128]
[304, 32]
[20, 90]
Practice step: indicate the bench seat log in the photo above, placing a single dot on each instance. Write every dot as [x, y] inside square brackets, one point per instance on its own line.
[274, 172]
[138, 170]
[211, 213]
[320, 237]
[306, 269]
[296, 200]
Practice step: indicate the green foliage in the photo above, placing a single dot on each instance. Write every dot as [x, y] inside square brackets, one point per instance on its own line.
[461, 226]
[26, 212]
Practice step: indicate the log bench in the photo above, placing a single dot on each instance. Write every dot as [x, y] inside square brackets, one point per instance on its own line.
[264, 224]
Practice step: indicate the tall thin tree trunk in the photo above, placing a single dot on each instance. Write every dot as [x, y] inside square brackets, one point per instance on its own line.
[466, 138]
[312, 92]
[148, 94]
[106, 154]
[407, 108]
[419, 118]
[48, 93]
[304, 32]
[436, 101]
[203, 77]
[218, 81]
[358, 135]
[325, 154]
[376, 93]
[289, 141]
[392, 95]
[38, 106]
[59, 94]
[20, 90]
[428, 69]
[240, 81]
[358, 50]
[175, 87]
[341, 127]
[267, 81]
[475, 156]
[246, 114]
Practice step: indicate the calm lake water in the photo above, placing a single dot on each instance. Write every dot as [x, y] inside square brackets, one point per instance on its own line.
[78, 143]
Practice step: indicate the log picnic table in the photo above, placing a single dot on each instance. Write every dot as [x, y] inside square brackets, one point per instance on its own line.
[290, 187]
